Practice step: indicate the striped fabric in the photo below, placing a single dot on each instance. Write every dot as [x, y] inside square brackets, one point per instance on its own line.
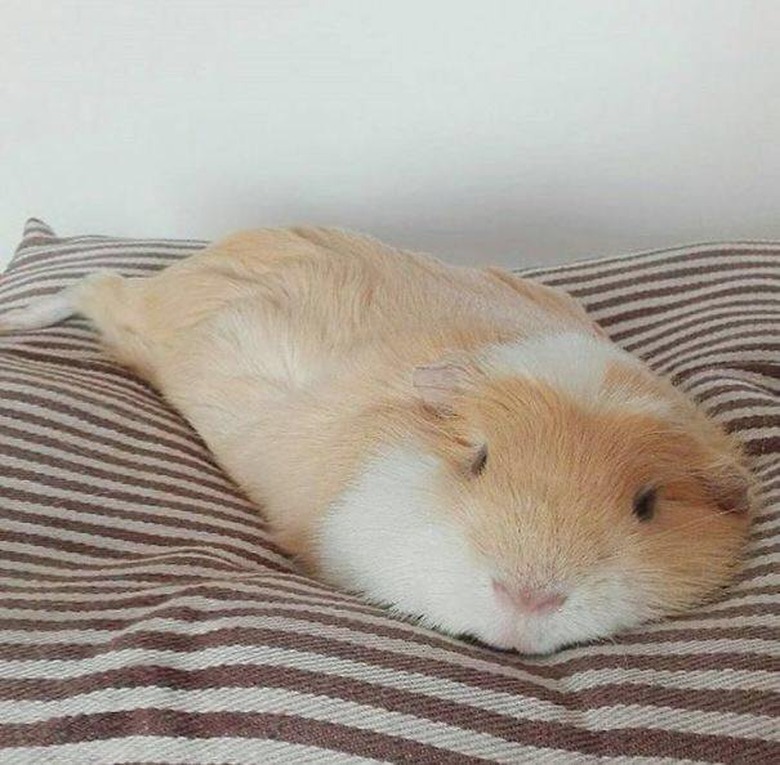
[147, 618]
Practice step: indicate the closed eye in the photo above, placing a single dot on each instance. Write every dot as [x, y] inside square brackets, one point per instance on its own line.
[644, 504]
[480, 461]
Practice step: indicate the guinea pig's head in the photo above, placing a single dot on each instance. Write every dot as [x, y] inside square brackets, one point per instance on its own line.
[559, 492]
[591, 494]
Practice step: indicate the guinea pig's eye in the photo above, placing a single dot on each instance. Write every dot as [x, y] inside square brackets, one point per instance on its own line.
[644, 504]
[480, 460]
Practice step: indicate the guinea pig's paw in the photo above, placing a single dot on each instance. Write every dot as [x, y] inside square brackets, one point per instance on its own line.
[38, 314]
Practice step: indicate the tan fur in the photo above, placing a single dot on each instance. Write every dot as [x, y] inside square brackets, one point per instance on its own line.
[292, 351]
[251, 335]
[574, 510]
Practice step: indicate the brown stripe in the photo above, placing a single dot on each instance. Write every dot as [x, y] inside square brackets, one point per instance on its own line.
[169, 248]
[710, 348]
[701, 292]
[101, 570]
[420, 704]
[228, 496]
[636, 742]
[291, 584]
[599, 268]
[115, 395]
[56, 264]
[274, 602]
[90, 415]
[92, 500]
[645, 311]
[158, 544]
[697, 316]
[139, 578]
[686, 276]
[313, 593]
[758, 368]
[704, 331]
[199, 518]
[557, 667]
[289, 728]
[193, 459]
[179, 490]
[88, 612]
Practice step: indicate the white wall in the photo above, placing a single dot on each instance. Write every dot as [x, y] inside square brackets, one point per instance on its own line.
[504, 131]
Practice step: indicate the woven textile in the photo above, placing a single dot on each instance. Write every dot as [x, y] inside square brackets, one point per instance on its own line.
[145, 616]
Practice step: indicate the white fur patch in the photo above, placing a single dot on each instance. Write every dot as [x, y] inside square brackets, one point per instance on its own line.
[385, 538]
[576, 365]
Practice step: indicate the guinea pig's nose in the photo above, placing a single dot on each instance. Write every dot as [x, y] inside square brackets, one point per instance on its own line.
[529, 599]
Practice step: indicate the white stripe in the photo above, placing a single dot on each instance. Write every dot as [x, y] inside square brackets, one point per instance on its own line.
[86, 256]
[130, 479]
[609, 283]
[37, 524]
[210, 562]
[716, 343]
[405, 680]
[607, 264]
[293, 603]
[646, 340]
[715, 333]
[736, 599]
[365, 717]
[176, 461]
[282, 584]
[385, 642]
[769, 411]
[120, 421]
[126, 397]
[667, 282]
[669, 314]
[689, 679]
[201, 507]
[720, 357]
[168, 248]
[754, 284]
[766, 580]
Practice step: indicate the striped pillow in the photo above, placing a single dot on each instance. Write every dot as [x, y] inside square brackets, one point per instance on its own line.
[147, 618]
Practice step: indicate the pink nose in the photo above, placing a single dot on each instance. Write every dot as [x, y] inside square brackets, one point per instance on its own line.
[528, 599]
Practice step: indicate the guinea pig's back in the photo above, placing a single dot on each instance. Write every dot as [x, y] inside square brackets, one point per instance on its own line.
[330, 293]
[266, 313]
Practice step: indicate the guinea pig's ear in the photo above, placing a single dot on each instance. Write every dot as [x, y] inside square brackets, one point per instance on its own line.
[439, 383]
[721, 468]
[729, 485]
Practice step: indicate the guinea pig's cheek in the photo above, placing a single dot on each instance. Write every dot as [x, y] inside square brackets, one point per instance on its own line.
[387, 538]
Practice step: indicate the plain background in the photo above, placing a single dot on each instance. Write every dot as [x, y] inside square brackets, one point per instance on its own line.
[510, 132]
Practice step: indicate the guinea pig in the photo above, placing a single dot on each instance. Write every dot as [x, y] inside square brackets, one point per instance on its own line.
[460, 445]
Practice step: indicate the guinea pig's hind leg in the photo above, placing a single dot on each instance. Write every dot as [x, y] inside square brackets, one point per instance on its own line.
[42, 312]
[106, 299]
